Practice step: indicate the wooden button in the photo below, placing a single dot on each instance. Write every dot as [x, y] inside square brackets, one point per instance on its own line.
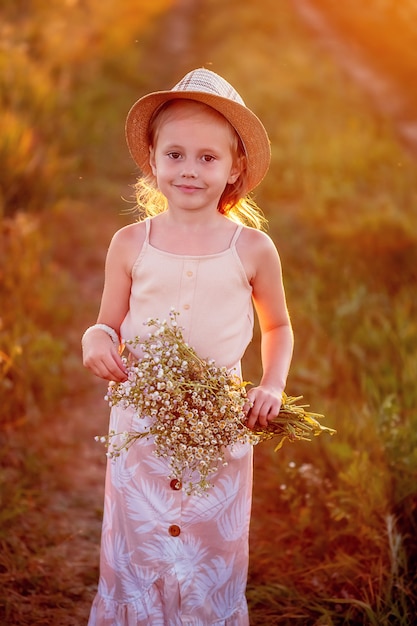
[175, 484]
[174, 530]
[189, 273]
[186, 307]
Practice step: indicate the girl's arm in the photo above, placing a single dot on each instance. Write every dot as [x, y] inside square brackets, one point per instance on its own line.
[100, 354]
[277, 339]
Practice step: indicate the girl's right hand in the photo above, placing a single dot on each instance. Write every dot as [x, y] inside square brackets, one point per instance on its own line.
[101, 357]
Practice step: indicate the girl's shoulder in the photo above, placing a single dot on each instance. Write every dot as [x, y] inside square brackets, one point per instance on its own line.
[255, 239]
[127, 243]
[132, 234]
[257, 252]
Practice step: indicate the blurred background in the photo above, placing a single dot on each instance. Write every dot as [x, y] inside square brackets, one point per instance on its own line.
[333, 535]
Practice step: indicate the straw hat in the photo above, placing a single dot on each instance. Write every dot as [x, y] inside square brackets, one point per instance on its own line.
[203, 86]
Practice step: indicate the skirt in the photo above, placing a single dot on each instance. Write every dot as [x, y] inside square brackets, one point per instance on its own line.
[168, 558]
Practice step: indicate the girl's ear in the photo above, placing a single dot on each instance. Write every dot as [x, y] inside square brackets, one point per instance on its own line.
[236, 171]
[152, 161]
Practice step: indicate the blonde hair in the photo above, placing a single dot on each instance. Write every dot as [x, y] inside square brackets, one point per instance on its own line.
[233, 203]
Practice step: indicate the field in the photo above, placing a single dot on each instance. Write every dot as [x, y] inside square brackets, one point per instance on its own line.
[333, 535]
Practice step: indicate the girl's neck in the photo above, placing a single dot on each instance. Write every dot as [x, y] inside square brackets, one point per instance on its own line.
[191, 235]
[193, 219]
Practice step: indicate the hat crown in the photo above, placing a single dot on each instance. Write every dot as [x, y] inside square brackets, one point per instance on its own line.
[205, 81]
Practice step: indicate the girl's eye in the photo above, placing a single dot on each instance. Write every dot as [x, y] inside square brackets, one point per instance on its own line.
[208, 158]
[174, 155]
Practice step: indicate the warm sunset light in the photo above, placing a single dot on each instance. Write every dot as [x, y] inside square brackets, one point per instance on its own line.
[332, 535]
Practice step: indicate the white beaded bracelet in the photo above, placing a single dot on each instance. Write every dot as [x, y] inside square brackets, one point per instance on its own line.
[107, 329]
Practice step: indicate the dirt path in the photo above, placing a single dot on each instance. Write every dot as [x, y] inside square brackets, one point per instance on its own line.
[78, 510]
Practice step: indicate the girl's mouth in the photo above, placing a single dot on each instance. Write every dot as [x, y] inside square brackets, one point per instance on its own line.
[188, 188]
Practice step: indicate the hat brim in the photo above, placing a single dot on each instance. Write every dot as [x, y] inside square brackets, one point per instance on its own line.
[248, 126]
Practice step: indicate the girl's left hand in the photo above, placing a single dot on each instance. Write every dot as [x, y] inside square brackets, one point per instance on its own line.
[265, 405]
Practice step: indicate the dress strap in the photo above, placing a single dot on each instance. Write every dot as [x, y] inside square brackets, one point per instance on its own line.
[236, 235]
[147, 229]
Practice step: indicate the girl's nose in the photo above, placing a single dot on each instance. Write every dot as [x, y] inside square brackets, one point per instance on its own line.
[189, 170]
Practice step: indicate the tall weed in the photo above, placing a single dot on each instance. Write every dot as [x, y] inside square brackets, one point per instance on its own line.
[31, 290]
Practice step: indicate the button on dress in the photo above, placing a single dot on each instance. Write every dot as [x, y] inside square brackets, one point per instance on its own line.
[167, 558]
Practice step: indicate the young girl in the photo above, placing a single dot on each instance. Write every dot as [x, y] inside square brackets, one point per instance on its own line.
[168, 558]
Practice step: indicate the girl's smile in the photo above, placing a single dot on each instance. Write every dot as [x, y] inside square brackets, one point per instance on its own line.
[188, 188]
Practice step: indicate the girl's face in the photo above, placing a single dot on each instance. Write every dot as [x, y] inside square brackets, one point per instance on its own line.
[193, 156]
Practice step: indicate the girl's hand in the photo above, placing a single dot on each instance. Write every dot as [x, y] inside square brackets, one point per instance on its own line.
[265, 405]
[101, 356]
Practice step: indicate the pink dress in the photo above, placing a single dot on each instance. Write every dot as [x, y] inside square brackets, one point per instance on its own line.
[169, 559]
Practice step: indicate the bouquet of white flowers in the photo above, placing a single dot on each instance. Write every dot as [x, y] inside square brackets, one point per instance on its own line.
[195, 408]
